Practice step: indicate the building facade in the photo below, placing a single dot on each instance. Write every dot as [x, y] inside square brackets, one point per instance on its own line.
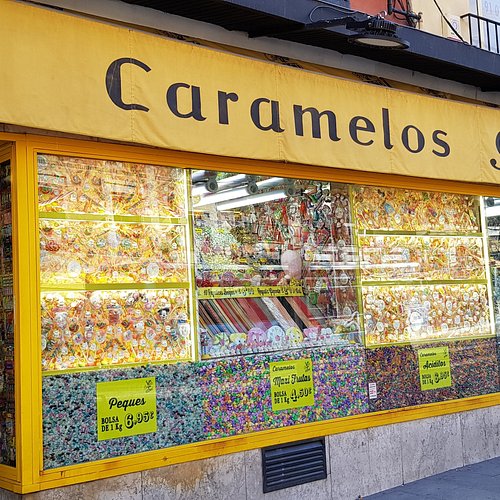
[241, 252]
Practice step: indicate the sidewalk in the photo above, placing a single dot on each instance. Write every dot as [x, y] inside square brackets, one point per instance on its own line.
[474, 482]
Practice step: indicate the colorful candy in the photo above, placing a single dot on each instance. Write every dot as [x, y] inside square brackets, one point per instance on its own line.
[303, 241]
[386, 258]
[89, 186]
[102, 252]
[389, 209]
[408, 313]
[104, 328]
[394, 370]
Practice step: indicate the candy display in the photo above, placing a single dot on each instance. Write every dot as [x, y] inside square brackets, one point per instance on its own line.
[102, 328]
[104, 252]
[411, 257]
[89, 186]
[7, 391]
[70, 415]
[394, 370]
[113, 264]
[493, 227]
[304, 241]
[263, 324]
[403, 313]
[388, 209]
[238, 398]
[279, 280]
[434, 308]
[196, 402]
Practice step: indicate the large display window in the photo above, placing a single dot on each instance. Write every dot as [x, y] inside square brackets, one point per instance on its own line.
[114, 267]
[423, 272]
[275, 270]
[212, 294]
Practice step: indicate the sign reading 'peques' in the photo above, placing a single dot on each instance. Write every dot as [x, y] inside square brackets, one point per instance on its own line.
[126, 408]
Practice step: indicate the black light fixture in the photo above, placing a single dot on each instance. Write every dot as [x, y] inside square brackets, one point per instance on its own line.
[373, 31]
[377, 32]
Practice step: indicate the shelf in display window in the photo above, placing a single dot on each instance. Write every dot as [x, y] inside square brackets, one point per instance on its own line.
[378, 232]
[430, 341]
[389, 283]
[115, 286]
[113, 218]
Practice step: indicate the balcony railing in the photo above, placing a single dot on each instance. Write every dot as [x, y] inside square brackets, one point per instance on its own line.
[483, 32]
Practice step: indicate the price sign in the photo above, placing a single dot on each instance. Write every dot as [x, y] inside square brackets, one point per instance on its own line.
[126, 408]
[291, 384]
[434, 368]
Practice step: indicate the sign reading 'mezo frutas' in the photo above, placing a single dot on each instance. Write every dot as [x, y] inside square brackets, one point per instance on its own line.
[292, 384]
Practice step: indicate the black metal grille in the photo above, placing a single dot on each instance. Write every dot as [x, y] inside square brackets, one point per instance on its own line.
[483, 32]
[297, 463]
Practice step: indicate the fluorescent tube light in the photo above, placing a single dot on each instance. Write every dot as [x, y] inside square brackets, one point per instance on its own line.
[232, 194]
[252, 200]
[493, 211]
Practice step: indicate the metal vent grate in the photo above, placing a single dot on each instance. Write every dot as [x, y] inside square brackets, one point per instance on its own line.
[289, 465]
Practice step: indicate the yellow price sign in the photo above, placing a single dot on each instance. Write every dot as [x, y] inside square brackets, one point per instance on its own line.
[292, 384]
[434, 368]
[126, 408]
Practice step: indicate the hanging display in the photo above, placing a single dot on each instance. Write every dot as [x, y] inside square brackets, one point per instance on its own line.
[273, 274]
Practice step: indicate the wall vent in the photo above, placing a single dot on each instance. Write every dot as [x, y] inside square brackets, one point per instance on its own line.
[292, 464]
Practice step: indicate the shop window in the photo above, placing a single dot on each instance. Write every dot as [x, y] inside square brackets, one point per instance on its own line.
[7, 408]
[422, 267]
[492, 212]
[275, 264]
[254, 302]
[113, 263]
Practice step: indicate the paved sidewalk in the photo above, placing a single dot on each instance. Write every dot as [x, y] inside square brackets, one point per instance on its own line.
[474, 482]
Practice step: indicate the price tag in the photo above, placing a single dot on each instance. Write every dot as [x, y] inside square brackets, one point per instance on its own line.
[126, 408]
[434, 368]
[291, 384]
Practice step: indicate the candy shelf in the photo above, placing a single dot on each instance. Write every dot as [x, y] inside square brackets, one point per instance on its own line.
[85, 329]
[415, 257]
[399, 314]
[302, 242]
[111, 252]
[114, 264]
[422, 269]
[390, 209]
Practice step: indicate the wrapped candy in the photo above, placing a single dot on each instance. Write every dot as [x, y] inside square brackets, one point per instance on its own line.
[112, 223]
[388, 209]
[102, 328]
[415, 257]
[104, 252]
[90, 186]
[426, 312]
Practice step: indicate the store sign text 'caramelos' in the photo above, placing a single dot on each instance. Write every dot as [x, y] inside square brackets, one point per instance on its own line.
[186, 101]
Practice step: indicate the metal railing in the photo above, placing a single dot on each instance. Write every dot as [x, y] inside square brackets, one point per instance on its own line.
[483, 32]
